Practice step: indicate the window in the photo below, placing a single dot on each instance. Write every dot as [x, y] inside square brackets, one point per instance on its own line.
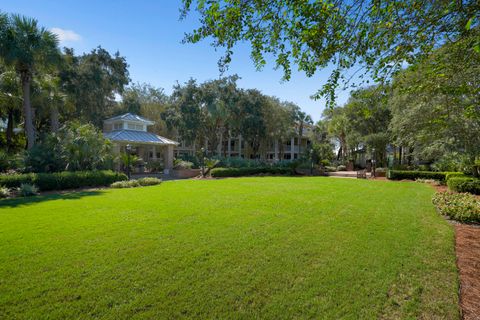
[139, 127]
[131, 126]
[117, 126]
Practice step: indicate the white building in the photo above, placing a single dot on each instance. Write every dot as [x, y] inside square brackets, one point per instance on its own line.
[131, 129]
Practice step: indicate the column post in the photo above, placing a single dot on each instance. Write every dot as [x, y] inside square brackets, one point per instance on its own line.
[240, 146]
[168, 159]
[292, 148]
[229, 148]
[275, 155]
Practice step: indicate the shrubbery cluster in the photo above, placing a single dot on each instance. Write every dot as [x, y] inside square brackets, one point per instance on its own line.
[414, 175]
[464, 184]
[62, 180]
[459, 206]
[143, 182]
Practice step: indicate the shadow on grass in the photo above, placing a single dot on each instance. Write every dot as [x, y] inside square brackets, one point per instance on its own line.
[20, 201]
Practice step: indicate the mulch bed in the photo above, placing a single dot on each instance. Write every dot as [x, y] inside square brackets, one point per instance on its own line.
[467, 247]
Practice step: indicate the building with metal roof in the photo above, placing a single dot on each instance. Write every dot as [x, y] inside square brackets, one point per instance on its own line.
[129, 133]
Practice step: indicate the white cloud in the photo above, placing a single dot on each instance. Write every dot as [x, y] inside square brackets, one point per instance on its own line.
[66, 35]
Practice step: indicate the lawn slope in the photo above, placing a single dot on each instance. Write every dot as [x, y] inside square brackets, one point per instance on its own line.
[271, 248]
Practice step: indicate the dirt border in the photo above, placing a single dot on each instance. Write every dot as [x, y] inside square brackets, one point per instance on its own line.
[467, 249]
[467, 252]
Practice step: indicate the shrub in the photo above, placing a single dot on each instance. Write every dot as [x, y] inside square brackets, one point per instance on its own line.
[154, 166]
[413, 175]
[62, 180]
[4, 161]
[449, 175]
[325, 162]
[459, 206]
[239, 172]
[4, 192]
[125, 184]
[136, 183]
[380, 170]
[341, 168]
[181, 164]
[27, 189]
[430, 181]
[464, 184]
[330, 169]
[75, 147]
[149, 181]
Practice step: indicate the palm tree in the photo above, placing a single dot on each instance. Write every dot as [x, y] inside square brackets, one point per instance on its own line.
[10, 101]
[49, 94]
[28, 48]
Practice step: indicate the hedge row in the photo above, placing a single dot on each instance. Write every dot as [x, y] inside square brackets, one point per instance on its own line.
[413, 175]
[464, 184]
[239, 172]
[63, 180]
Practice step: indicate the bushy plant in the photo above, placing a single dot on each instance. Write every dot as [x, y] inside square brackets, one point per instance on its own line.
[125, 184]
[4, 161]
[453, 162]
[429, 181]
[62, 180]
[325, 162]
[330, 169]
[464, 184]
[136, 183]
[341, 168]
[75, 147]
[4, 192]
[238, 162]
[413, 175]
[46, 156]
[182, 164]
[155, 166]
[449, 175]
[149, 181]
[459, 206]
[189, 158]
[27, 189]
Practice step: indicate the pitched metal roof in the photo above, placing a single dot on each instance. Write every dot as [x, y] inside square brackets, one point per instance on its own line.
[133, 136]
[130, 117]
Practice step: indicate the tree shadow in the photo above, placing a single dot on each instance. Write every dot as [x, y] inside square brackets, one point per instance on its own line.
[26, 201]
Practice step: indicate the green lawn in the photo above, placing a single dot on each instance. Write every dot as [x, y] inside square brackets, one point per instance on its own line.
[271, 248]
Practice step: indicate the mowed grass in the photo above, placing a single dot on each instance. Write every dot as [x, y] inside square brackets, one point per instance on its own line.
[244, 248]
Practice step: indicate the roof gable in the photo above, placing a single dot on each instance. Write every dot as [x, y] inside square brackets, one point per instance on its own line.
[130, 117]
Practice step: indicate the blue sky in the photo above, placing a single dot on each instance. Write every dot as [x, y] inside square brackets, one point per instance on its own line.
[149, 34]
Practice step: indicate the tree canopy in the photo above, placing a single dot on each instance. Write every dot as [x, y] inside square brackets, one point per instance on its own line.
[378, 36]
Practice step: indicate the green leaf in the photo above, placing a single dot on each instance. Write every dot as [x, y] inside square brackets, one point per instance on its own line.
[468, 26]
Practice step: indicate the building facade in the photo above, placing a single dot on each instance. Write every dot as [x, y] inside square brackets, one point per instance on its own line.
[276, 150]
[130, 130]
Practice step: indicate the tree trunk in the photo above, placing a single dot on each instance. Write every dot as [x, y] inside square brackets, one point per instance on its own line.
[27, 110]
[54, 122]
[9, 132]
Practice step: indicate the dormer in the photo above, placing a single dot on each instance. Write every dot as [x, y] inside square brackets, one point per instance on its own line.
[127, 121]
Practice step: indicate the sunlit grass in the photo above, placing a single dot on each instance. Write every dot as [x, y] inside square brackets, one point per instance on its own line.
[276, 248]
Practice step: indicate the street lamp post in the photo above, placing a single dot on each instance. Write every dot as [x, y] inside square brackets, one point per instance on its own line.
[128, 148]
